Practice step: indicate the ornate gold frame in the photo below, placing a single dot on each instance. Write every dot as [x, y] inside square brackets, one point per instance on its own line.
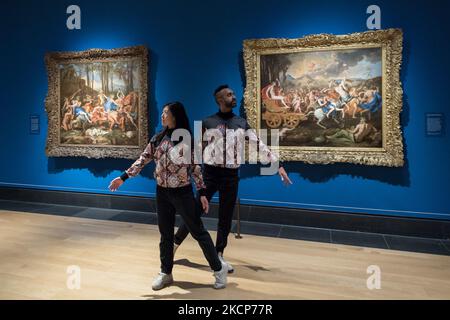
[53, 147]
[391, 42]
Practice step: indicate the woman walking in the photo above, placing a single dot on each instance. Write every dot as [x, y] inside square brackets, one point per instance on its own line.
[174, 193]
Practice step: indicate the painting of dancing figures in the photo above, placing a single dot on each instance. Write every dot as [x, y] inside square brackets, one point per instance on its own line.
[323, 98]
[99, 103]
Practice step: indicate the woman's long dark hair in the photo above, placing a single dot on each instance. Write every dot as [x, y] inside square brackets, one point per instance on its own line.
[181, 120]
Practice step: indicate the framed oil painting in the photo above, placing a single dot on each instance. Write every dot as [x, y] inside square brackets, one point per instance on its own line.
[333, 98]
[97, 103]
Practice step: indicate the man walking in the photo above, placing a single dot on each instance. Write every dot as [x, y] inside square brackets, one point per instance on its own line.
[224, 177]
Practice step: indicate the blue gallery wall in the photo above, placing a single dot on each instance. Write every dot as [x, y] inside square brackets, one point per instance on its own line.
[196, 45]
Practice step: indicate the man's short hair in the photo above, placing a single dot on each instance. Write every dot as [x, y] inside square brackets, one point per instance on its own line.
[220, 88]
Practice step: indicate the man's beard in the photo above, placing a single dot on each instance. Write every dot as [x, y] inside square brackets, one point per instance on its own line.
[231, 104]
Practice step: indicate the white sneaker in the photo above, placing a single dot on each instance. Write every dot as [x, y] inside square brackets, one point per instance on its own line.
[229, 266]
[221, 277]
[162, 280]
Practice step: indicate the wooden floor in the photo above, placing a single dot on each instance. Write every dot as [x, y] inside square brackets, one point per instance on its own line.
[118, 261]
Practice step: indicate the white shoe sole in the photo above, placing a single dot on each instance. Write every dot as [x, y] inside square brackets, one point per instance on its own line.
[222, 286]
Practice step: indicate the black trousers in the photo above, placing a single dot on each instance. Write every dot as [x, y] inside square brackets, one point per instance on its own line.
[170, 201]
[225, 181]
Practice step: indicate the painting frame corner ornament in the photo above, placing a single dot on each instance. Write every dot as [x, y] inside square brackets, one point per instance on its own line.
[334, 98]
[97, 104]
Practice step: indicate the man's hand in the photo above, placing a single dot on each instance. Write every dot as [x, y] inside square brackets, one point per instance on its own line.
[115, 184]
[284, 176]
[205, 204]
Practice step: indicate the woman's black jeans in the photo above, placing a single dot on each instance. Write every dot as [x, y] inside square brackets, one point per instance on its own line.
[170, 201]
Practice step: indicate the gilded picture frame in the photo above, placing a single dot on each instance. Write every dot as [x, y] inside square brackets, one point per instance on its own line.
[97, 103]
[325, 93]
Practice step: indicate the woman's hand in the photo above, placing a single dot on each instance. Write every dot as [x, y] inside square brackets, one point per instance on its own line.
[115, 184]
[205, 204]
